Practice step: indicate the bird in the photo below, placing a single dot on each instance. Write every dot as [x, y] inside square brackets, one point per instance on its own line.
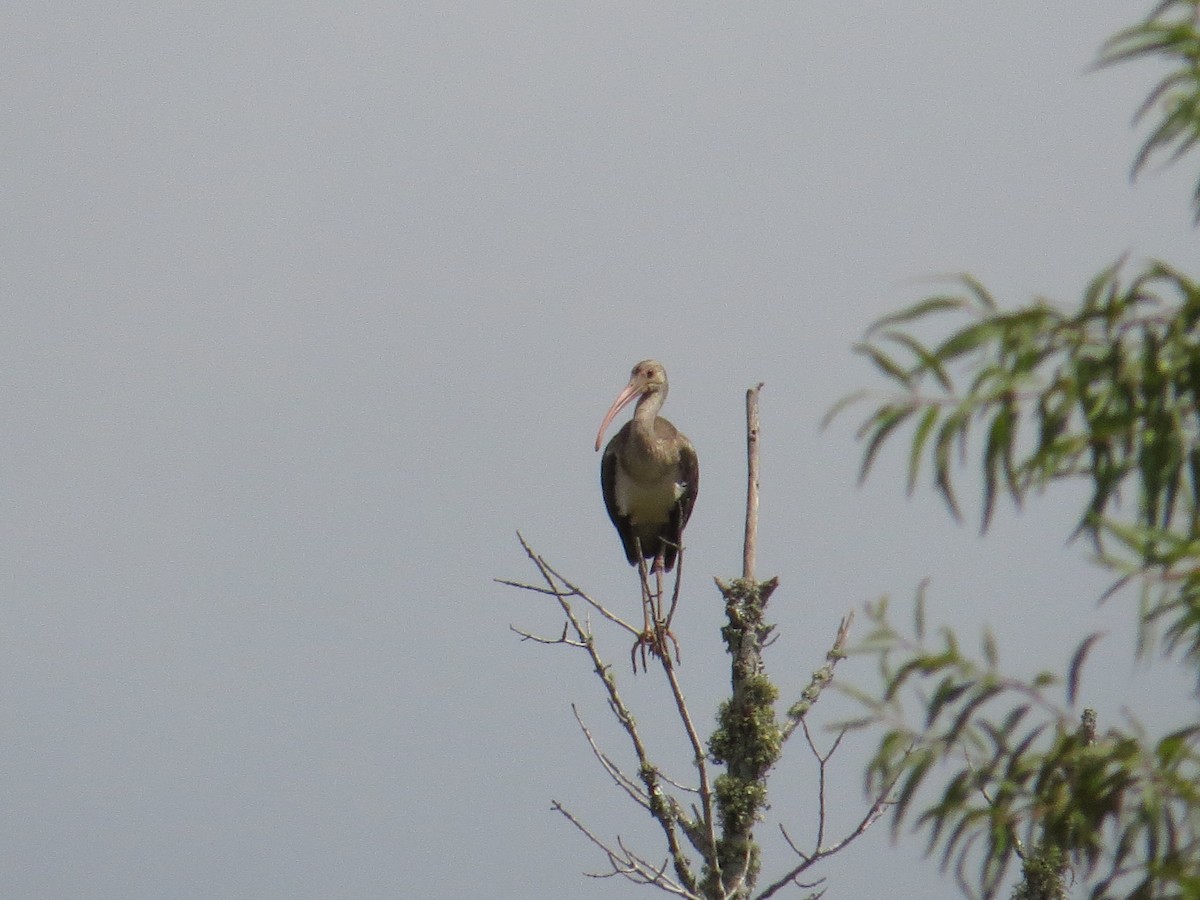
[649, 475]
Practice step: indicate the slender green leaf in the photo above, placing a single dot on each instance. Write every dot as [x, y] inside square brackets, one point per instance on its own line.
[841, 405]
[1078, 658]
[918, 311]
[920, 436]
[885, 422]
[941, 461]
[997, 460]
[928, 361]
[990, 653]
[885, 363]
[979, 292]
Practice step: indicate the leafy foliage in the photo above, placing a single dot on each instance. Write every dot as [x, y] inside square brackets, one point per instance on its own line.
[1018, 772]
[1108, 392]
[993, 768]
[1170, 32]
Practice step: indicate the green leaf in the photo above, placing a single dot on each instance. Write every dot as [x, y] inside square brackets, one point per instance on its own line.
[884, 363]
[990, 653]
[947, 692]
[920, 436]
[919, 610]
[885, 422]
[1176, 746]
[928, 362]
[918, 311]
[918, 766]
[979, 292]
[966, 340]
[1076, 668]
[997, 460]
[950, 429]
[842, 404]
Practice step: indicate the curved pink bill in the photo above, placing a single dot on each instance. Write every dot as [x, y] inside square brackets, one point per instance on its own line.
[631, 390]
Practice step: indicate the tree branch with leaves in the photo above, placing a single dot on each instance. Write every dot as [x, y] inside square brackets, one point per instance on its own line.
[995, 768]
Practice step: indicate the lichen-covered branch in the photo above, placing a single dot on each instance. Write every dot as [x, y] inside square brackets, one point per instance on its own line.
[748, 738]
[820, 678]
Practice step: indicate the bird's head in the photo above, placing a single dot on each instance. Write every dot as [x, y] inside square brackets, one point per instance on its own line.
[647, 378]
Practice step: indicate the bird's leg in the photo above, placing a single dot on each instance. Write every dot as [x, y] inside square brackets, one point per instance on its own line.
[646, 638]
[662, 626]
[656, 630]
[675, 590]
[648, 608]
[674, 602]
[658, 592]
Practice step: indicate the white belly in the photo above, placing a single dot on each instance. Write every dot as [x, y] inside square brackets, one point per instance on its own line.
[646, 504]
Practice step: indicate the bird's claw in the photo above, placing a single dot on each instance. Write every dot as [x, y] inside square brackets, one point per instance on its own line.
[654, 642]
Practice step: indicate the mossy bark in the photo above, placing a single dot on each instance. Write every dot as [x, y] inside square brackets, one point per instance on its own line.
[747, 740]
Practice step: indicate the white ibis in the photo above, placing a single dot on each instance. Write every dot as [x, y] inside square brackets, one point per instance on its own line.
[649, 472]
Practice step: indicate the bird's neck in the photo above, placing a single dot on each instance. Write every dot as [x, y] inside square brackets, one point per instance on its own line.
[644, 417]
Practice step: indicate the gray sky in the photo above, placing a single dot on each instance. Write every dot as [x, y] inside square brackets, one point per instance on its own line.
[308, 306]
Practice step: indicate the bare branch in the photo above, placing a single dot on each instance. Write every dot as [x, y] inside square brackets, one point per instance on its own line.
[664, 808]
[623, 781]
[820, 678]
[675, 592]
[750, 547]
[573, 591]
[552, 592]
[683, 787]
[627, 864]
[795, 849]
[563, 639]
[819, 852]
[561, 589]
[708, 848]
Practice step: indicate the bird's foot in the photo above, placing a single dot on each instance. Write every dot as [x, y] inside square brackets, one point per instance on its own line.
[653, 642]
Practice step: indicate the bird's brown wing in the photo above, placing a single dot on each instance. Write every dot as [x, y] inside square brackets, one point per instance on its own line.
[689, 476]
[608, 485]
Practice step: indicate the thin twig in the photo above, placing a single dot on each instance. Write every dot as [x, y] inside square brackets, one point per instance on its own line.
[573, 591]
[627, 784]
[807, 860]
[822, 762]
[537, 638]
[700, 758]
[675, 592]
[627, 864]
[532, 587]
[567, 590]
[787, 837]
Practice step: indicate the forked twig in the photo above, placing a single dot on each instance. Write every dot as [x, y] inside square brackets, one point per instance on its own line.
[626, 863]
[550, 575]
[819, 852]
[623, 781]
[536, 638]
